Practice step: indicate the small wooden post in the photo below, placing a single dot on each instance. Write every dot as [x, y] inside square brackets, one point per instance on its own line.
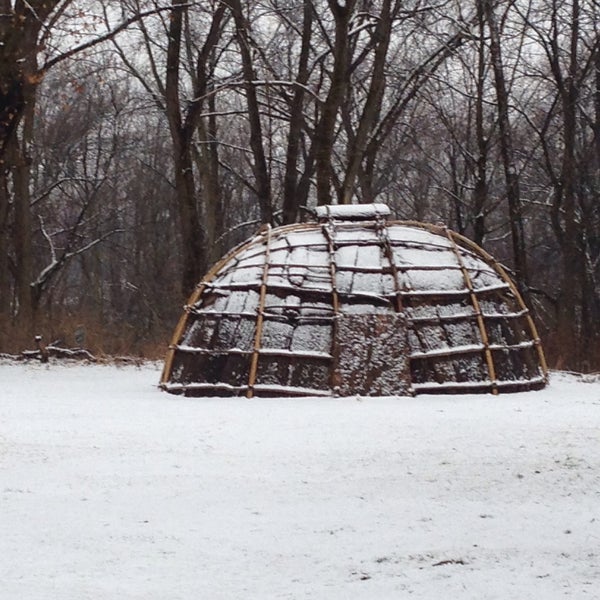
[41, 348]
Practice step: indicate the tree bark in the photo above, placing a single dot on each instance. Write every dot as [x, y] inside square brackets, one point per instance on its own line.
[208, 167]
[208, 155]
[372, 106]
[22, 234]
[513, 194]
[192, 233]
[5, 296]
[291, 190]
[573, 260]
[325, 129]
[480, 189]
[19, 78]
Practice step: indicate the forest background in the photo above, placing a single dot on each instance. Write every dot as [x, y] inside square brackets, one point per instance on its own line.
[140, 140]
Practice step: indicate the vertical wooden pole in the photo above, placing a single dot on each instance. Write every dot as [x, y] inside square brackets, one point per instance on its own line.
[478, 315]
[259, 317]
[386, 245]
[328, 229]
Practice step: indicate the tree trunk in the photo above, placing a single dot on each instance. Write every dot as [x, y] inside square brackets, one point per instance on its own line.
[23, 236]
[208, 168]
[573, 260]
[18, 85]
[208, 154]
[20, 24]
[291, 196]
[260, 169]
[12, 103]
[192, 234]
[596, 63]
[480, 189]
[372, 105]
[513, 194]
[5, 296]
[325, 129]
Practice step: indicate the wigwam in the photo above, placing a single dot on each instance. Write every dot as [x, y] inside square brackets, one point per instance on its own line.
[355, 304]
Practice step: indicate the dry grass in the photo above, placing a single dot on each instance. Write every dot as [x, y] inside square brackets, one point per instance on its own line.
[73, 331]
[582, 356]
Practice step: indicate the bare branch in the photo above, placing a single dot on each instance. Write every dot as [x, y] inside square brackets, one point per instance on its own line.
[104, 37]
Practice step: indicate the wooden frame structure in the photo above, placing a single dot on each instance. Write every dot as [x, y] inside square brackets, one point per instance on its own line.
[354, 304]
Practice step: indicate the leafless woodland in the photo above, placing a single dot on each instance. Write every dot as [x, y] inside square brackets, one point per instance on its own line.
[140, 140]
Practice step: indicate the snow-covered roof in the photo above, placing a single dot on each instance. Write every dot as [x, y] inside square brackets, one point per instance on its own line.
[355, 304]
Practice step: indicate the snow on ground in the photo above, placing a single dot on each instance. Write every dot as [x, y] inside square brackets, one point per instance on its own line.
[111, 489]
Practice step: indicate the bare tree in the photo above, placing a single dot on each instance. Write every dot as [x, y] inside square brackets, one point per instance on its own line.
[513, 193]
[342, 13]
[21, 25]
[26, 31]
[259, 167]
[567, 37]
[180, 81]
[294, 195]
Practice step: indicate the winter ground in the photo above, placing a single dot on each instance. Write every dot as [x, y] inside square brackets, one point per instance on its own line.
[111, 489]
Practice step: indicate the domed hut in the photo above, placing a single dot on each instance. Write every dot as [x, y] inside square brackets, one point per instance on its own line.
[354, 304]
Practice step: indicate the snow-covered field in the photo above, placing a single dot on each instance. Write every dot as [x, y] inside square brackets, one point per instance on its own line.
[111, 489]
